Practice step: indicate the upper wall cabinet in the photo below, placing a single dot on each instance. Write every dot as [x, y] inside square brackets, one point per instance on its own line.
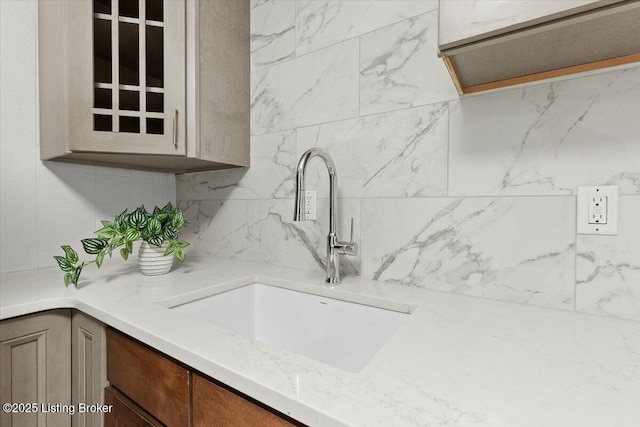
[487, 44]
[145, 84]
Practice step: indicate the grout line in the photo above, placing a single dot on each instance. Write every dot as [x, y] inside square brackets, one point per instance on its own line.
[352, 118]
[359, 74]
[575, 255]
[295, 30]
[447, 183]
[336, 43]
[575, 273]
[360, 197]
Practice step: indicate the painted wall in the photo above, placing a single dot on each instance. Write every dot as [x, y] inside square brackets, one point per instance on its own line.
[474, 196]
[45, 205]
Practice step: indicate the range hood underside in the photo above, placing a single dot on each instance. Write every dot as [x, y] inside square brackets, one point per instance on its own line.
[580, 43]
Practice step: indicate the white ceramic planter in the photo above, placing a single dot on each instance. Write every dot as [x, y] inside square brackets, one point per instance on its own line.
[152, 260]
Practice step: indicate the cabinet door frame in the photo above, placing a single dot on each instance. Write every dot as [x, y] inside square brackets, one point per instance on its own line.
[88, 367]
[47, 333]
[82, 137]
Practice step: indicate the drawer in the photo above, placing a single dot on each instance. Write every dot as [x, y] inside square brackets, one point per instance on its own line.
[214, 405]
[159, 385]
[124, 412]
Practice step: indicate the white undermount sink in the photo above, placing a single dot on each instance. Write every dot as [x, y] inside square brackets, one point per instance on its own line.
[343, 334]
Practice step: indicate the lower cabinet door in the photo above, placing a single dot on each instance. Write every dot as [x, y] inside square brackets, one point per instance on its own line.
[35, 369]
[214, 405]
[124, 412]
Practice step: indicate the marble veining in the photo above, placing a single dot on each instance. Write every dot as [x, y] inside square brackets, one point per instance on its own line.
[548, 139]
[399, 67]
[471, 195]
[216, 227]
[397, 154]
[272, 99]
[321, 23]
[608, 268]
[474, 246]
[314, 88]
[270, 176]
[272, 32]
[275, 238]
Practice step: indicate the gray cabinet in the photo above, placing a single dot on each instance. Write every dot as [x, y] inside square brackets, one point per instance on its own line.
[35, 368]
[89, 368]
[54, 360]
[147, 84]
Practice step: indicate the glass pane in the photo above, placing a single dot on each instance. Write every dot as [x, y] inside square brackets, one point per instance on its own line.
[101, 51]
[102, 6]
[155, 58]
[129, 100]
[129, 124]
[128, 50]
[102, 98]
[155, 102]
[154, 10]
[102, 122]
[128, 8]
[155, 126]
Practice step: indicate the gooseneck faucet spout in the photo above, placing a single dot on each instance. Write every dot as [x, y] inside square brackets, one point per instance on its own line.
[335, 247]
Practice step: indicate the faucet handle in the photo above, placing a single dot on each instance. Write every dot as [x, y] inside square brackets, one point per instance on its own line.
[350, 247]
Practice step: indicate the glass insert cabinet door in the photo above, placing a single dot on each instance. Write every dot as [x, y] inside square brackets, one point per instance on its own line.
[127, 68]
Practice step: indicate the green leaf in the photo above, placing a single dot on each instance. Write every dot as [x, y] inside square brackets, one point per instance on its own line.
[106, 233]
[162, 217]
[100, 258]
[117, 241]
[153, 227]
[67, 279]
[138, 218]
[76, 275]
[180, 255]
[72, 256]
[108, 224]
[92, 246]
[64, 263]
[130, 247]
[178, 220]
[156, 211]
[156, 240]
[170, 248]
[169, 232]
[120, 219]
[167, 208]
[132, 235]
[182, 244]
[124, 253]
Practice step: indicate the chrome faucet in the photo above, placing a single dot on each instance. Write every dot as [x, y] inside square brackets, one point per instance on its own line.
[335, 247]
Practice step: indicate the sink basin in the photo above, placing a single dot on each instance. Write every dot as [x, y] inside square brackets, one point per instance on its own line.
[343, 334]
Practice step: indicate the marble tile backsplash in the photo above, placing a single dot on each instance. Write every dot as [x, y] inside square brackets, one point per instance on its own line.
[472, 195]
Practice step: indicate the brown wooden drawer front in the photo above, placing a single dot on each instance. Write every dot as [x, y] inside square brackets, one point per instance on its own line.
[214, 406]
[157, 384]
[125, 412]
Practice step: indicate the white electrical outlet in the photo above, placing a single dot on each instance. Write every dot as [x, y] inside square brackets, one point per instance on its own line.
[597, 210]
[310, 205]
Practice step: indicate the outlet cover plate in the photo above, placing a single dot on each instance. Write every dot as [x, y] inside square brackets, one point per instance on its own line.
[582, 220]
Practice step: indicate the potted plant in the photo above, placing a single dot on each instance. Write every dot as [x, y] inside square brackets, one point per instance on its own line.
[157, 230]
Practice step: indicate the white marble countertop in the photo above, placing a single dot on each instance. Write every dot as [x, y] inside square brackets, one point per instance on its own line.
[456, 361]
